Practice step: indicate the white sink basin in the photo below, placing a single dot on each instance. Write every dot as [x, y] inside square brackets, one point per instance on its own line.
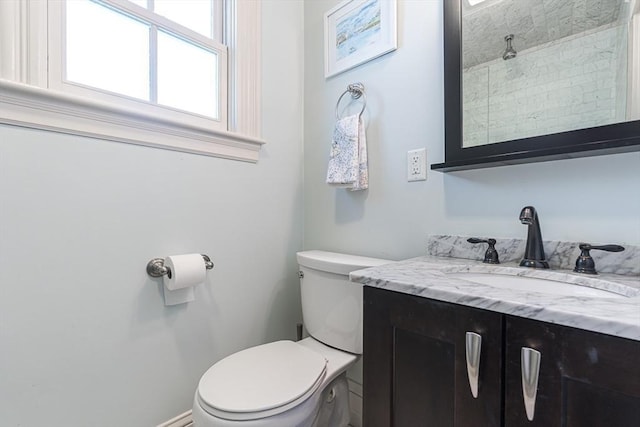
[535, 284]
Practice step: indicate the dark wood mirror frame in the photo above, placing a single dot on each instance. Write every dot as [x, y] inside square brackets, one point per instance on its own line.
[609, 139]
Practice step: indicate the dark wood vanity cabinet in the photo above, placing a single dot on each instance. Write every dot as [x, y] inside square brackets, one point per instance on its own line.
[415, 369]
[585, 378]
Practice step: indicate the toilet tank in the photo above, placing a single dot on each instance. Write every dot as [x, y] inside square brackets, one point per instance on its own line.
[331, 304]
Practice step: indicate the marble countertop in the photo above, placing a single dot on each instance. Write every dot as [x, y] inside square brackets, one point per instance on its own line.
[428, 277]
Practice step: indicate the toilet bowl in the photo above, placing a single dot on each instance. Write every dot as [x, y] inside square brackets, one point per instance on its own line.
[294, 384]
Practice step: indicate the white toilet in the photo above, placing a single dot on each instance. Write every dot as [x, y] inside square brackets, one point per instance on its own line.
[295, 384]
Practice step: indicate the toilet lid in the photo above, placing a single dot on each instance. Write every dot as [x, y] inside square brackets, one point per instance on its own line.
[261, 381]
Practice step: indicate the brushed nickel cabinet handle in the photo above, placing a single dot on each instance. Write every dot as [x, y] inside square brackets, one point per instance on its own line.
[530, 366]
[473, 344]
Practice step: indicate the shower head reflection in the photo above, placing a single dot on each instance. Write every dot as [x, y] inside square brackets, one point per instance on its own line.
[510, 52]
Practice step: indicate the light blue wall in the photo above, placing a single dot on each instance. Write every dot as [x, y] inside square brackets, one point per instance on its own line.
[591, 199]
[85, 338]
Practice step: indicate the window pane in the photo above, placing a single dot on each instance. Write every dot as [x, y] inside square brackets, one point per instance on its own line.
[107, 50]
[193, 14]
[187, 76]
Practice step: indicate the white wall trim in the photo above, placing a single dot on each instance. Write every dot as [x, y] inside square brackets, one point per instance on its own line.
[245, 70]
[38, 108]
[182, 420]
[26, 100]
[23, 41]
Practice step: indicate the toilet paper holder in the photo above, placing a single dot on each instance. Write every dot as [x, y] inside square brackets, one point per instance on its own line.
[156, 267]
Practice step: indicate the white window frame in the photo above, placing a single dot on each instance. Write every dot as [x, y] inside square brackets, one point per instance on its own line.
[57, 55]
[27, 98]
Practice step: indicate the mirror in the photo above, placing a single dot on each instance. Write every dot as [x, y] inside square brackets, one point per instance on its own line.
[569, 70]
[536, 80]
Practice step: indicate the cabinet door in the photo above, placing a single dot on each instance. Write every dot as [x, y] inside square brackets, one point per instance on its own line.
[585, 378]
[415, 370]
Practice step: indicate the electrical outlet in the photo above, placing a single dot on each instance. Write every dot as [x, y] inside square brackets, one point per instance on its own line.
[417, 165]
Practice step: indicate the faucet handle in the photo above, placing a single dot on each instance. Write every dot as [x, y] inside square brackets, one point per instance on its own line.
[491, 255]
[608, 248]
[585, 263]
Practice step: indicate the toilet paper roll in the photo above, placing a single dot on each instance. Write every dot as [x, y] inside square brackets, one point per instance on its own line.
[186, 271]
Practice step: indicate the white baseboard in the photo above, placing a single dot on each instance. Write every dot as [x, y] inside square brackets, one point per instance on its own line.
[182, 420]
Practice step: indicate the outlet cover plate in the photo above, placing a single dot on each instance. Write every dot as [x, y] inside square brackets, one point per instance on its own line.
[417, 165]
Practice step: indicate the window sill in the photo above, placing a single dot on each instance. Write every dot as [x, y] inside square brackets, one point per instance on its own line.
[34, 107]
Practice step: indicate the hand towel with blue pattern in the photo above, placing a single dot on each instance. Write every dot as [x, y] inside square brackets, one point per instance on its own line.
[348, 158]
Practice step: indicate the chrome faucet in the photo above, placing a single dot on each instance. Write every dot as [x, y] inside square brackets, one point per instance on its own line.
[534, 251]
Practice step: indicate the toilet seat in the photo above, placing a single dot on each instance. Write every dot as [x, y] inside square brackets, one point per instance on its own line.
[261, 381]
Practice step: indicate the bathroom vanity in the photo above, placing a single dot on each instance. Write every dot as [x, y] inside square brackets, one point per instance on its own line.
[420, 316]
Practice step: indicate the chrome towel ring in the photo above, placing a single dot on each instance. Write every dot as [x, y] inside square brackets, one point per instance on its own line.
[356, 90]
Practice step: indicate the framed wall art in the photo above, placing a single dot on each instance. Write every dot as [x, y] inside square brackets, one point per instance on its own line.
[357, 31]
